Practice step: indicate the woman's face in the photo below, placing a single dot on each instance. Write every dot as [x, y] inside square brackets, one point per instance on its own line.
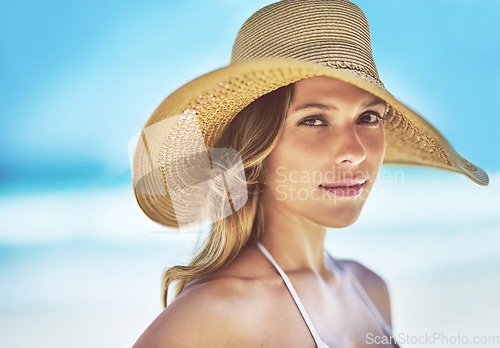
[332, 133]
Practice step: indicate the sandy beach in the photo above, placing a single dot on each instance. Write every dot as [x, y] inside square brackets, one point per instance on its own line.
[95, 280]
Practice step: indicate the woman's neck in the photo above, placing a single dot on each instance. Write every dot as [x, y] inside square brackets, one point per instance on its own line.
[296, 244]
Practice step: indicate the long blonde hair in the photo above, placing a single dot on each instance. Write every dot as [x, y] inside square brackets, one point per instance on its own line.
[254, 132]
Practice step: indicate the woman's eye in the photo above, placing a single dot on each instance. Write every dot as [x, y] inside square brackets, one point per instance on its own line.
[371, 118]
[313, 122]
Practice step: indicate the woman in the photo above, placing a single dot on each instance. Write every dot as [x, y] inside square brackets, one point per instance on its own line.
[303, 108]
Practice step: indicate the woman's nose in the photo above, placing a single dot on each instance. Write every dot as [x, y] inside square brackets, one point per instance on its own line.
[346, 147]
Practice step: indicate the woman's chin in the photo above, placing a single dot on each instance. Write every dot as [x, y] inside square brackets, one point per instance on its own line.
[341, 224]
[340, 220]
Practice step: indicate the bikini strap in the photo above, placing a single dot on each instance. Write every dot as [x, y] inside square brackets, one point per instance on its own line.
[367, 300]
[305, 316]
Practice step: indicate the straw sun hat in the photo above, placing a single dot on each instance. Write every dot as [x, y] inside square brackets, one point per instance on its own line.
[280, 44]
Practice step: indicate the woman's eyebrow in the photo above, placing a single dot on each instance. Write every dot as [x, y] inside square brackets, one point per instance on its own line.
[314, 106]
[375, 101]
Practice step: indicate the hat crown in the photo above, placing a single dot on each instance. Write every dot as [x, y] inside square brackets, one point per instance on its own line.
[334, 33]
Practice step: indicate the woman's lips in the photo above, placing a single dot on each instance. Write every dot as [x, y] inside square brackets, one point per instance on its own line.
[345, 191]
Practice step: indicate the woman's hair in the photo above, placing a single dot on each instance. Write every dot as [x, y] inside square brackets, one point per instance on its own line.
[254, 132]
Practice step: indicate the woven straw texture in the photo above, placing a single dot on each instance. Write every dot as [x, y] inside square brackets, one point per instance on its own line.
[278, 45]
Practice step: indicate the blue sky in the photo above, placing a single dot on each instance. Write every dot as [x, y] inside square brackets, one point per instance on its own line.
[79, 79]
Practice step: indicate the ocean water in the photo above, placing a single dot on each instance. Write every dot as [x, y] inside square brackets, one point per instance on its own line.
[83, 268]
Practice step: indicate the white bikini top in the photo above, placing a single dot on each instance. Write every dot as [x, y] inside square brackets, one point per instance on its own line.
[319, 343]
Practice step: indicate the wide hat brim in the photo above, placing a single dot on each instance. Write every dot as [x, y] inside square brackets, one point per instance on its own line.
[217, 97]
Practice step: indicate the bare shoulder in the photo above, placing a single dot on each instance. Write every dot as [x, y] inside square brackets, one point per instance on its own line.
[374, 285]
[223, 309]
[210, 313]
